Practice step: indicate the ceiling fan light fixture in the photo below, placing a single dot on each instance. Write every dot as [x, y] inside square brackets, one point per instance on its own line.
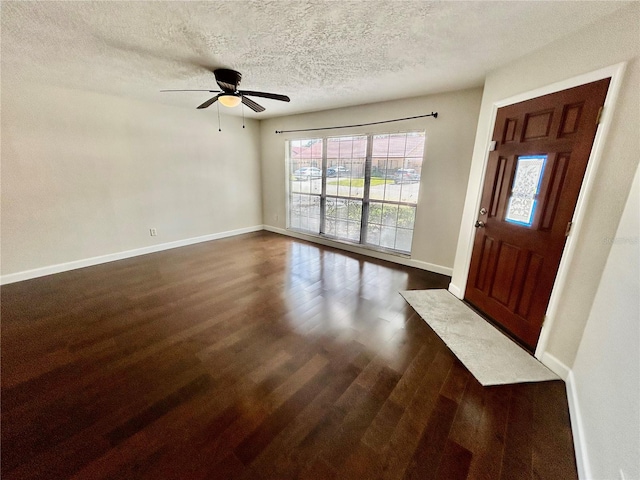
[230, 100]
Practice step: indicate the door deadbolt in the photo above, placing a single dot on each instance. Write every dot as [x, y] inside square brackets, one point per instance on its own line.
[483, 211]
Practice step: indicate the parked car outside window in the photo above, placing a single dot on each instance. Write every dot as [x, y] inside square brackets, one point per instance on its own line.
[341, 169]
[307, 172]
[406, 175]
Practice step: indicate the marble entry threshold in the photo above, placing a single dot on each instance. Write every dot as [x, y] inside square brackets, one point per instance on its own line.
[490, 356]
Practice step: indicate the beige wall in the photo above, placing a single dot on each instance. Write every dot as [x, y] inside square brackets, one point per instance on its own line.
[606, 372]
[611, 40]
[444, 175]
[85, 175]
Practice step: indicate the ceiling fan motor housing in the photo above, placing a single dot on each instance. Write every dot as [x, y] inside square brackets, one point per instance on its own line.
[228, 79]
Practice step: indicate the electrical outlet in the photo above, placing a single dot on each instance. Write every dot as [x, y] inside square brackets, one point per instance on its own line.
[153, 232]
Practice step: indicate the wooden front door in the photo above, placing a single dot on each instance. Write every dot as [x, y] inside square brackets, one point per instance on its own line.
[530, 191]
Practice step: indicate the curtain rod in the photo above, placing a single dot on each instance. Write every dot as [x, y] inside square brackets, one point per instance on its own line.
[432, 114]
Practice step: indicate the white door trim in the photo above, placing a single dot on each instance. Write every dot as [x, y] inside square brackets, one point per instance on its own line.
[616, 73]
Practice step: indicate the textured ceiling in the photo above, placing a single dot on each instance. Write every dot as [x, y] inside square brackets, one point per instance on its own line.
[323, 54]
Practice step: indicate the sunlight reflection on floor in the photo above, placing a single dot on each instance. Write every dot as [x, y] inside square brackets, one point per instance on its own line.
[365, 305]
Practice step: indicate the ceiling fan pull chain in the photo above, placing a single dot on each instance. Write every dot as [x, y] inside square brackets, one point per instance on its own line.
[243, 115]
[219, 129]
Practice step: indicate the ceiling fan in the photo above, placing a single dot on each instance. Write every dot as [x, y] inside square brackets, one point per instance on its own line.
[229, 95]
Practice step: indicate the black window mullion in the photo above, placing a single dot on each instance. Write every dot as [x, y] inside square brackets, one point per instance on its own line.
[323, 193]
[367, 187]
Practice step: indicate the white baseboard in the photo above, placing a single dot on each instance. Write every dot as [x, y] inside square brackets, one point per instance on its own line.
[409, 262]
[88, 262]
[455, 290]
[577, 429]
[555, 365]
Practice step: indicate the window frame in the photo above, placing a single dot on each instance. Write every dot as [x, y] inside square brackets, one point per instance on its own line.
[366, 197]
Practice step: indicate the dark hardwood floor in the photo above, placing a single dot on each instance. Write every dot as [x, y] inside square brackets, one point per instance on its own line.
[255, 357]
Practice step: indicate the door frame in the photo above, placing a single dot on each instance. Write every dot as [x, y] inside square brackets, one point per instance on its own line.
[474, 195]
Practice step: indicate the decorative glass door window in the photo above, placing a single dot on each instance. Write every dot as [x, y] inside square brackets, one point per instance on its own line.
[360, 189]
[525, 189]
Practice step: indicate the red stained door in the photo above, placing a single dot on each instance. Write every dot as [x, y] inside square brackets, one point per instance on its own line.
[531, 187]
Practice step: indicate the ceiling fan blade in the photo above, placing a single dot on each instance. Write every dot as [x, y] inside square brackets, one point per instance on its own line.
[273, 96]
[252, 105]
[211, 101]
[212, 91]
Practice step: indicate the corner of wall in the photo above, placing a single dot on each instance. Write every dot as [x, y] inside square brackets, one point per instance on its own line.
[555, 365]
